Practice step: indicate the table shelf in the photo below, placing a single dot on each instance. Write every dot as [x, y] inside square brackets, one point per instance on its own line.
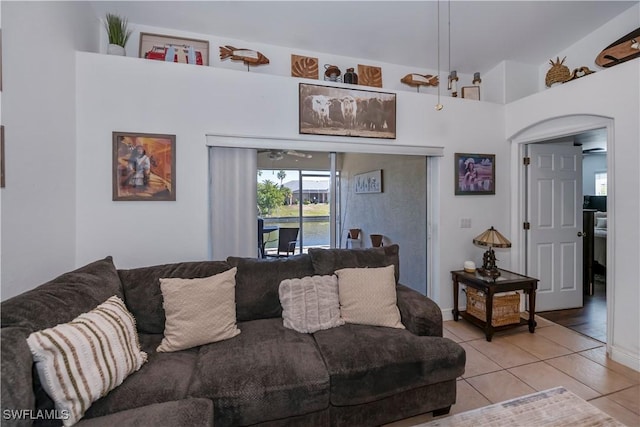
[506, 282]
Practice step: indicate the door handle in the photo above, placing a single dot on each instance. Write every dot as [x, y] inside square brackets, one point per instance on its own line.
[581, 234]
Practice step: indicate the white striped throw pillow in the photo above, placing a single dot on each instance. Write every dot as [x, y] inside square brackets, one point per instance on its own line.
[81, 361]
[310, 304]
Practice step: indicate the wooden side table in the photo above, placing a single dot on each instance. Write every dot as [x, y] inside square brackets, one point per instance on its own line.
[506, 282]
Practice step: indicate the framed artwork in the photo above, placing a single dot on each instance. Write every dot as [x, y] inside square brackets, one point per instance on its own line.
[144, 166]
[368, 182]
[163, 48]
[326, 110]
[471, 92]
[475, 174]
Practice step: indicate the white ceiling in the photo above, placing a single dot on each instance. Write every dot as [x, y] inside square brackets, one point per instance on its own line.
[483, 33]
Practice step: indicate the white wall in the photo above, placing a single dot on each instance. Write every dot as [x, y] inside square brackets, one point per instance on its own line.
[399, 213]
[280, 60]
[585, 51]
[130, 94]
[40, 40]
[615, 93]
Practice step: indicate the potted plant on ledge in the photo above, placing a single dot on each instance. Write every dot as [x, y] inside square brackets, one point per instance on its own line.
[118, 34]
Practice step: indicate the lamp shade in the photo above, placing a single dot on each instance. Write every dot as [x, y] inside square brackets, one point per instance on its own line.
[492, 238]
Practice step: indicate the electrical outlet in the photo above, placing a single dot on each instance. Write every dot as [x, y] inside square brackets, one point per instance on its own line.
[465, 222]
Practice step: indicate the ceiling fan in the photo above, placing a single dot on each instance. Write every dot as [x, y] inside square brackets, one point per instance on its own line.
[279, 154]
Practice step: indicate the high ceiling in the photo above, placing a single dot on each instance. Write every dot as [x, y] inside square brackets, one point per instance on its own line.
[483, 33]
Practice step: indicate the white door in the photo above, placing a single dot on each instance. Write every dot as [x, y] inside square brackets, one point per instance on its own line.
[554, 211]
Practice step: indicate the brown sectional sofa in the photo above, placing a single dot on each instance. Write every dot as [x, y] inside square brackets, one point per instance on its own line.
[351, 375]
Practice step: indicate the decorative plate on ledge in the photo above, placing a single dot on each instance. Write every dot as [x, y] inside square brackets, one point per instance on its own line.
[369, 75]
[304, 66]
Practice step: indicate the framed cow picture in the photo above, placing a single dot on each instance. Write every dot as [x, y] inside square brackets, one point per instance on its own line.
[326, 110]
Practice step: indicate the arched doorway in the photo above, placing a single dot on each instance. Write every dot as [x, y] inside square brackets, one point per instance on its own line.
[546, 130]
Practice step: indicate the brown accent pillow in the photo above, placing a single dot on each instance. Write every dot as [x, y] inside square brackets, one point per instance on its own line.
[142, 289]
[199, 311]
[368, 296]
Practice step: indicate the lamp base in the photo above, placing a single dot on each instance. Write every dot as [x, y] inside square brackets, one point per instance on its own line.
[493, 273]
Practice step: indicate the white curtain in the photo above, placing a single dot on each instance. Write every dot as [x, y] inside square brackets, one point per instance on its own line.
[233, 224]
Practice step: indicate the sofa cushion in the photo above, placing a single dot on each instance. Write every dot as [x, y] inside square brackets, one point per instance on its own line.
[258, 280]
[266, 373]
[367, 363]
[187, 412]
[63, 298]
[142, 289]
[17, 384]
[199, 311]
[165, 377]
[368, 296]
[80, 361]
[310, 304]
[327, 261]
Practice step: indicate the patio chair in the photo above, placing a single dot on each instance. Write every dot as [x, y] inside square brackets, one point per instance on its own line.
[287, 238]
[260, 238]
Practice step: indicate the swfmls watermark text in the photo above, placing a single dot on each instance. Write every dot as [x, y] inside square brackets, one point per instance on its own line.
[35, 414]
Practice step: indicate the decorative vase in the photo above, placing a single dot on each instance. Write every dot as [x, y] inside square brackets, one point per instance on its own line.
[350, 77]
[354, 233]
[114, 49]
[376, 240]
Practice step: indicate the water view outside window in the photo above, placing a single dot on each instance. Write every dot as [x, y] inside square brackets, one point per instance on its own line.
[293, 198]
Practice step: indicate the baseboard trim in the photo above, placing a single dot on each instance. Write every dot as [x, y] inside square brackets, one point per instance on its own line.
[623, 357]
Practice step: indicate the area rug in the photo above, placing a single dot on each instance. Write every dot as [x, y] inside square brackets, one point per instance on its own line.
[553, 407]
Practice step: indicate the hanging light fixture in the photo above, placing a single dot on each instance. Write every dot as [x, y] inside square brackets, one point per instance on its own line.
[453, 74]
[439, 106]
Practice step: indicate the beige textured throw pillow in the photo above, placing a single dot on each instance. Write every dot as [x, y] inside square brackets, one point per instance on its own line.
[81, 361]
[198, 311]
[310, 304]
[368, 296]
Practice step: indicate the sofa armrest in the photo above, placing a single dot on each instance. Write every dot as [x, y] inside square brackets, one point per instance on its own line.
[420, 315]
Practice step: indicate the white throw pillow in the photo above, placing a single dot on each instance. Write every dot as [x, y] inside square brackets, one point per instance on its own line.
[368, 296]
[310, 304]
[81, 361]
[198, 311]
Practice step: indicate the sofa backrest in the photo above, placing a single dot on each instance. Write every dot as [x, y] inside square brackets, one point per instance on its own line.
[258, 280]
[327, 261]
[63, 298]
[142, 293]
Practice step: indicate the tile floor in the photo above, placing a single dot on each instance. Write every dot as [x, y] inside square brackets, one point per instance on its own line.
[516, 363]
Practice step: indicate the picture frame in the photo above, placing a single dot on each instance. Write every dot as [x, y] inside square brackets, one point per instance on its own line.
[144, 167]
[157, 46]
[474, 174]
[336, 111]
[471, 92]
[368, 182]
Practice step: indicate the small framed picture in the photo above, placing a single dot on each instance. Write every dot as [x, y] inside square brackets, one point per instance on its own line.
[471, 92]
[368, 182]
[174, 49]
[475, 174]
[144, 166]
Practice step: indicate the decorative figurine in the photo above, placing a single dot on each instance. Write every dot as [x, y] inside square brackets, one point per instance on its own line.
[248, 56]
